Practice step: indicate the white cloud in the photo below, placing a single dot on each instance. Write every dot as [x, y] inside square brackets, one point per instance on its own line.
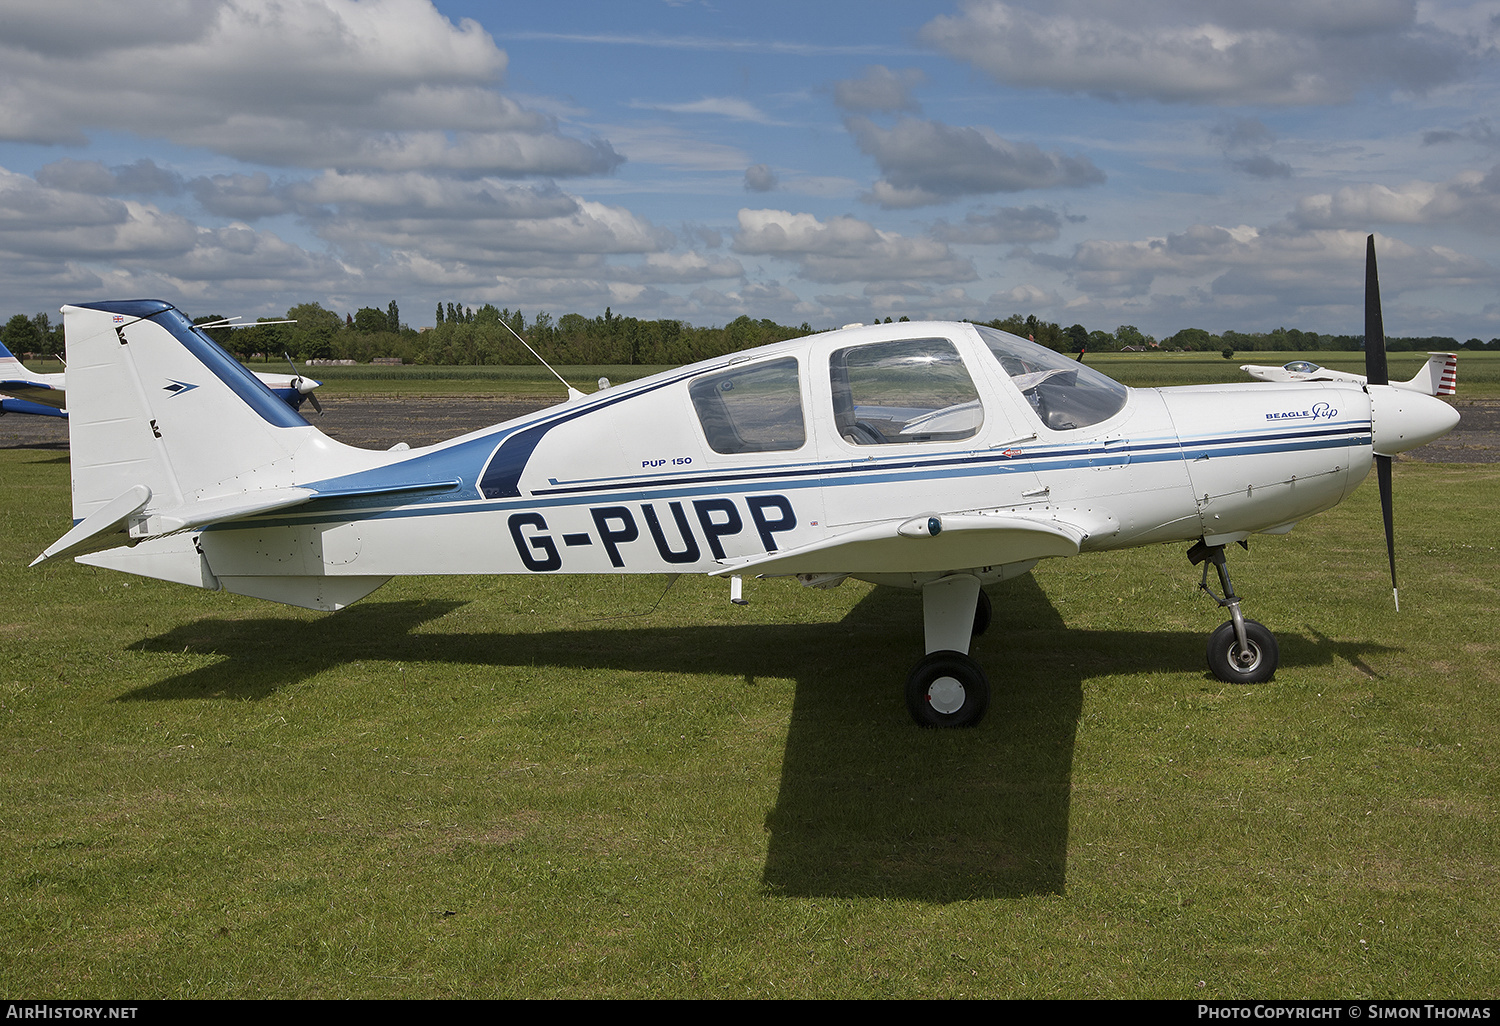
[760, 178]
[879, 90]
[844, 249]
[387, 84]
[1281, 267]
[927, 162]
[1470, 199]
[1004, 225]
[1214, 52]
[680, 267]
[730, 107]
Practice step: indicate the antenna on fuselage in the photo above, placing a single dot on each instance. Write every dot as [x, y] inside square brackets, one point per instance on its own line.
[573, 393]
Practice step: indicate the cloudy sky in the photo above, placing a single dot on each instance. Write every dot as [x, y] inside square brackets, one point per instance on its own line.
[1163, 163]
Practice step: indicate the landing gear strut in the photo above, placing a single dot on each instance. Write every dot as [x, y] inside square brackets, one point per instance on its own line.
[947, 688]
[1240, 651]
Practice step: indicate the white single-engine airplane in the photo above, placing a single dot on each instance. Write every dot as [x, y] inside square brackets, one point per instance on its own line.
[1438, 376]
[25, 391]
[934, 456]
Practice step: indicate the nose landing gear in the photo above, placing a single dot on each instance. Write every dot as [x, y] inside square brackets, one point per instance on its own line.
[1240, 651]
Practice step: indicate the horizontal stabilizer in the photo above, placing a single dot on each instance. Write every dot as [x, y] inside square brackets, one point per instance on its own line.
[100, 528]
[214, 511]
[35, 392]
[920, 544]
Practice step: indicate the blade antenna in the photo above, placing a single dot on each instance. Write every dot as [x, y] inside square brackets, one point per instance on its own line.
[572, 392]
[1376, 373]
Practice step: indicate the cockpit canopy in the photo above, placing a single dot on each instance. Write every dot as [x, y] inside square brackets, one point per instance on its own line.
[1065, 394]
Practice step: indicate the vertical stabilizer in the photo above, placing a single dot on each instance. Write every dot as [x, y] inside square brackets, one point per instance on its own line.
[154, 402]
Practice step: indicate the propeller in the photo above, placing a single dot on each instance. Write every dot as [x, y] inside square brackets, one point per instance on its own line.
[1376, 373]
[301, 385]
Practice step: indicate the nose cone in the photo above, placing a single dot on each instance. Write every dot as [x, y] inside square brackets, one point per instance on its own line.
[1402, 420]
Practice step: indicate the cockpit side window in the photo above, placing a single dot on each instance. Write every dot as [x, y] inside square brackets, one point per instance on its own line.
[914, 390]
[1064, 393]
[751, 409]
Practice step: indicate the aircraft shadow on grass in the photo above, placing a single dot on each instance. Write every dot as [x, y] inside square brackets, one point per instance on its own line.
[868, 805]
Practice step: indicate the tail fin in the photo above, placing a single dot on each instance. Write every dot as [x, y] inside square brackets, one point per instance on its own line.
[1438, 376]
[155, 403]
[170, 434]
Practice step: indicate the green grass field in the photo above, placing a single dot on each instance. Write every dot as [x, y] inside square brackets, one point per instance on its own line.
[583, 787]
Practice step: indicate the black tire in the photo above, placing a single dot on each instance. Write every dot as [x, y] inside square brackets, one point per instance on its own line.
[982, 613]
[1259, 663]
[947, 689]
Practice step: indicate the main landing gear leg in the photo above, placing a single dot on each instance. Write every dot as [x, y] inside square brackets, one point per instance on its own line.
[1240, 651]
[947, 688]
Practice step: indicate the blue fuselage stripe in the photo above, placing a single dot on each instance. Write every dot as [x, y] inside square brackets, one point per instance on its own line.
[841, 473]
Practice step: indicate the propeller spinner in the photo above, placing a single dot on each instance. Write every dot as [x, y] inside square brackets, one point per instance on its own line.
[302, 385]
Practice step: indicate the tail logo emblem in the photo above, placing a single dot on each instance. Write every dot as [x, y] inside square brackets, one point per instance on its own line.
[177, 387]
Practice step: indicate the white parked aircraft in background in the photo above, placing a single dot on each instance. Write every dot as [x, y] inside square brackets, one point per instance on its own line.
[934, 456]
[22, 391]
[1438, 376]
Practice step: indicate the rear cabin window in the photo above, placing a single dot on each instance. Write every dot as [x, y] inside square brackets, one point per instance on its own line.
[914, 390]
[751, 409]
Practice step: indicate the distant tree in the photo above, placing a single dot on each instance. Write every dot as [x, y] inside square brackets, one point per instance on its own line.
[312, 336]
[393, 317]
[439, 315]
[1191, 339]
[1078, 335]
[224, 336]
[367, 318]
[21, 335]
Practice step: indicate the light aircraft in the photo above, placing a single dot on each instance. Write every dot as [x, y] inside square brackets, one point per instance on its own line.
[934, 456]
[46, 394]
[1438, 376]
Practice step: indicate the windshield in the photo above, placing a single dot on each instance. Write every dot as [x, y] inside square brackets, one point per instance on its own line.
[1065, 393]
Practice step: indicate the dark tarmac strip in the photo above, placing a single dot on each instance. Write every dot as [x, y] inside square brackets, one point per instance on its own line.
[381, 422]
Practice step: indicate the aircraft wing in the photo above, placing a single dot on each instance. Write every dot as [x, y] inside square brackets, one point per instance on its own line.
[926, 543]
[35, 392]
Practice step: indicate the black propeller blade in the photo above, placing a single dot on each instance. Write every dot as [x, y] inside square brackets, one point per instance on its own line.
[1377, 374]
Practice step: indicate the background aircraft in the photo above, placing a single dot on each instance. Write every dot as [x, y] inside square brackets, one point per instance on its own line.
[934, 456]
[22, 391]
[1438, 376]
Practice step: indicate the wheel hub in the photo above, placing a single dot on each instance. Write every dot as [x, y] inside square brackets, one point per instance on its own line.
[946, 695]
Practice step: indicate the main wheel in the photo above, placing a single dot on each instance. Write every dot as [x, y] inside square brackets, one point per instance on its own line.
[982, 613]
[947, 689]
[1253, 665]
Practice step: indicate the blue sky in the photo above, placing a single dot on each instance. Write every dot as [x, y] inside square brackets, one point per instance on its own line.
[1162, 163]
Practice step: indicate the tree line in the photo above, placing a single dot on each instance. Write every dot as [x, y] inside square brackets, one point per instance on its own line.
[464, 335]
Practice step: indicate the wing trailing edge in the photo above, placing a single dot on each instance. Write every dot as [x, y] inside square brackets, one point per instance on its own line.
[918, 544]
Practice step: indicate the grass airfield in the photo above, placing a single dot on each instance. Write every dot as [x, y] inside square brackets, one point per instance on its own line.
[605, 786]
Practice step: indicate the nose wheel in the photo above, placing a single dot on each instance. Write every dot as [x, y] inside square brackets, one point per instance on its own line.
[1240, 651]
